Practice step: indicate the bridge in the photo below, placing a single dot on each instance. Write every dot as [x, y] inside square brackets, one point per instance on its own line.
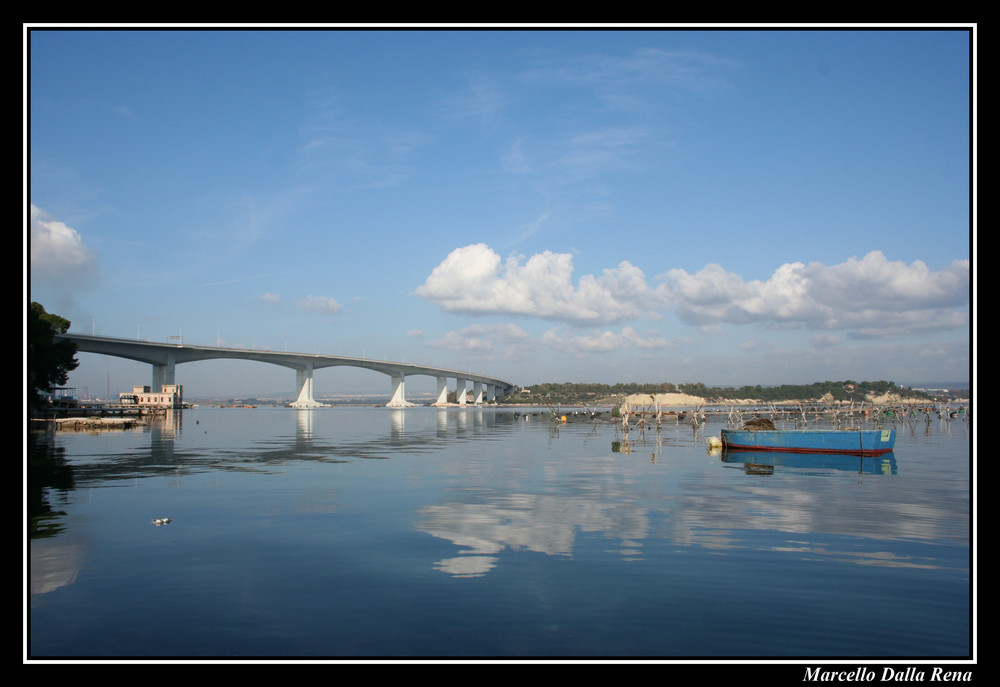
[164, 357]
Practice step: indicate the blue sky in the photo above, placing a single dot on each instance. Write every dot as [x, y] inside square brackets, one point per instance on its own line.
[730, 207]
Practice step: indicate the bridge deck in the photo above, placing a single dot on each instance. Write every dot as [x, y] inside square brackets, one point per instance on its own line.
[164, 357]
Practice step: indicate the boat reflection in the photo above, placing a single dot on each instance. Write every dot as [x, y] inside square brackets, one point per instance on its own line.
[764, 462]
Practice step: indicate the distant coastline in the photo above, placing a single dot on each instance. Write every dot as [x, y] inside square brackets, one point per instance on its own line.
[639, 395]
[697, 394]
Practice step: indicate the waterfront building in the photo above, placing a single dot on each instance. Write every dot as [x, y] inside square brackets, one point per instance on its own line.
[170, 396]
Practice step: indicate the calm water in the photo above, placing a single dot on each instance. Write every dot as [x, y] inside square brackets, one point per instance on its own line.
[370, 532]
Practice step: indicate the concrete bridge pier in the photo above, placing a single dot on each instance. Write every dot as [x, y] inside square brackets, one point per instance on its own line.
[477, 393]
[442, 391]
[163, 374]
[304, 383]
[460, 391]
[398, 399]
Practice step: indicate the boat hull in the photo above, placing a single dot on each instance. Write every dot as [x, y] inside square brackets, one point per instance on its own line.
[884, 464]
[873, 442]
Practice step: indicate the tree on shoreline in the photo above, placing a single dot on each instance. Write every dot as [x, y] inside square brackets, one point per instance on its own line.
[49, 361]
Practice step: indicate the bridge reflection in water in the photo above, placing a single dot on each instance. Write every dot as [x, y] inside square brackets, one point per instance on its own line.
[164, 357]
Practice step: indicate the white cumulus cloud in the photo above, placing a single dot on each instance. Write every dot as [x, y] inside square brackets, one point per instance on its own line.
[58, 252]
[483, 337]
[604, 341]
[323, 305]
[476, 280]
[869, 297]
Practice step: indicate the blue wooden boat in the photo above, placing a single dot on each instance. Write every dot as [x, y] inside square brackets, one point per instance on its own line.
[865, 442]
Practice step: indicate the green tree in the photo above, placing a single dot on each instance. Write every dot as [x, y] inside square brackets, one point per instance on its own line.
[49, 361]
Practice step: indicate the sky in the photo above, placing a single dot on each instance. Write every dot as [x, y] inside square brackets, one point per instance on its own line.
[729, 207]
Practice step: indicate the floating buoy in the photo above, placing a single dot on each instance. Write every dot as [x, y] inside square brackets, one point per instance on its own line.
[714, 442]
[162, 521]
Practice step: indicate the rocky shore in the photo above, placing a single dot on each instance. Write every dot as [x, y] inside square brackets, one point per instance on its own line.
[93, 422]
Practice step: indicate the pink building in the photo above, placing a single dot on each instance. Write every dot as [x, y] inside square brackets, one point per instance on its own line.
[171, 396]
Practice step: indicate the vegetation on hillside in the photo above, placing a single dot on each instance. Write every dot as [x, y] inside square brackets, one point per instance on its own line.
[593, 393]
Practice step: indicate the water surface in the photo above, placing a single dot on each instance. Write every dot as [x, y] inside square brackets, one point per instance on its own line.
[370, 532]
